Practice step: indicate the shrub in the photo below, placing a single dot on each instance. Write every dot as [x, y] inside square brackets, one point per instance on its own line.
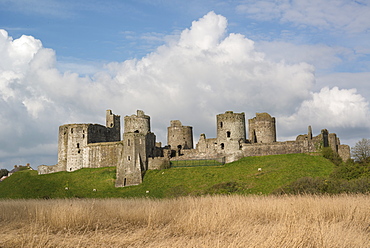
[304, 185]
[328, 153]
[351, 170]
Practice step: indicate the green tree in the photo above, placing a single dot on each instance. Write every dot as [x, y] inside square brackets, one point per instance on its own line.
[3, 172]
[361, 151]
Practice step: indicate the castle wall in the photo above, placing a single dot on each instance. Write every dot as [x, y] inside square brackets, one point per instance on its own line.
[333, 142]
[73, 140]
[262, 129]
[47, 169]
[102, 154]
[205, 146]
[344, 152]
[97, 134]
[276, 148]
[158, 163]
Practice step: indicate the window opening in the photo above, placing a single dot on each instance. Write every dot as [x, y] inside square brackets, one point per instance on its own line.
[228, 133]
[222, 146]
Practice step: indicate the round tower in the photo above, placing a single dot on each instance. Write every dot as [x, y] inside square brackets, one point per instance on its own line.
[231, 126]
[262, 128]
[139, 123]
[179, 136]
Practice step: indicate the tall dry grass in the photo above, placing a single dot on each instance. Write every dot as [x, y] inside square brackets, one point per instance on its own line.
[212, 221]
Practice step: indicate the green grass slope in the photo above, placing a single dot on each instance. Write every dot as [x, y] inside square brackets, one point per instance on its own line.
[239, 177]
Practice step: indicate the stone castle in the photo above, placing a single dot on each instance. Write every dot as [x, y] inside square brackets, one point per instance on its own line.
[94, 145]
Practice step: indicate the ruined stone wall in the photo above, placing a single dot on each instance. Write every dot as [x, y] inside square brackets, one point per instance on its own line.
[205, 145]
[333, 142]
[276, 148]
[179, 136]
[344, 151]
[158, 163]
[97, 133]
[47, 169]
[102, 154]
[262, 129]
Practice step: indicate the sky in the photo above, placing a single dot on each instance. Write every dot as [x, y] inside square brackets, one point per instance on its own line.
[62, 61]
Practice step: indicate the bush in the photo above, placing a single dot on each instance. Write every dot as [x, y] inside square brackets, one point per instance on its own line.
[224, 188]
[3, 172]
[351, 170]
[304, 185]
[328, 153]
[309, 185]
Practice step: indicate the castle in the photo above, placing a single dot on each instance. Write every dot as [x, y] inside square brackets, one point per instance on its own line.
[94, 145]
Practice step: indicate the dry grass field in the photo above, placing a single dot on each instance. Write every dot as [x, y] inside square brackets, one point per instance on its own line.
[211, 221]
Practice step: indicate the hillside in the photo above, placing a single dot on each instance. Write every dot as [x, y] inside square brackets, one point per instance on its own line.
[240, 177]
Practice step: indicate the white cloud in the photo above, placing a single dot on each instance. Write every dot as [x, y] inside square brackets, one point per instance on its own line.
[332, 108]
[349, 16]
[203, 72]
[321, 56]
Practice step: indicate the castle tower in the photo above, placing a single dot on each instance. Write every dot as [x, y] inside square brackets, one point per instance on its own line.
[262, 128]
[113, 124]
[230, 130]
[139, 123]
[179, 136]
[138, 146]
[72, 140]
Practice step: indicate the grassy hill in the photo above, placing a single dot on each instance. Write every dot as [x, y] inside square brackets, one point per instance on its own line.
[239, 177]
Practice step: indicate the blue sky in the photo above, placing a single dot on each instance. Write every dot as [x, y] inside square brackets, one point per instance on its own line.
[304, 62]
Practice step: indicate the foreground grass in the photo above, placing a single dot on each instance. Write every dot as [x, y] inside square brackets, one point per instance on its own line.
[211, 221]
[240, 177]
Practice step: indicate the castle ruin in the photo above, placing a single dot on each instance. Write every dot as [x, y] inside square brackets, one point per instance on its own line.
[94, 145]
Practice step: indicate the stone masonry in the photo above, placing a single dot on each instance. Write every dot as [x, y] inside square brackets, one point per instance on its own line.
[94, 145]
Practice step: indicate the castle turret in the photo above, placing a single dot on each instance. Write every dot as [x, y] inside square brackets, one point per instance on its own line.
[230, 130]
[139, 123]
[262, 128]
[113, 124]
[179, 136]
